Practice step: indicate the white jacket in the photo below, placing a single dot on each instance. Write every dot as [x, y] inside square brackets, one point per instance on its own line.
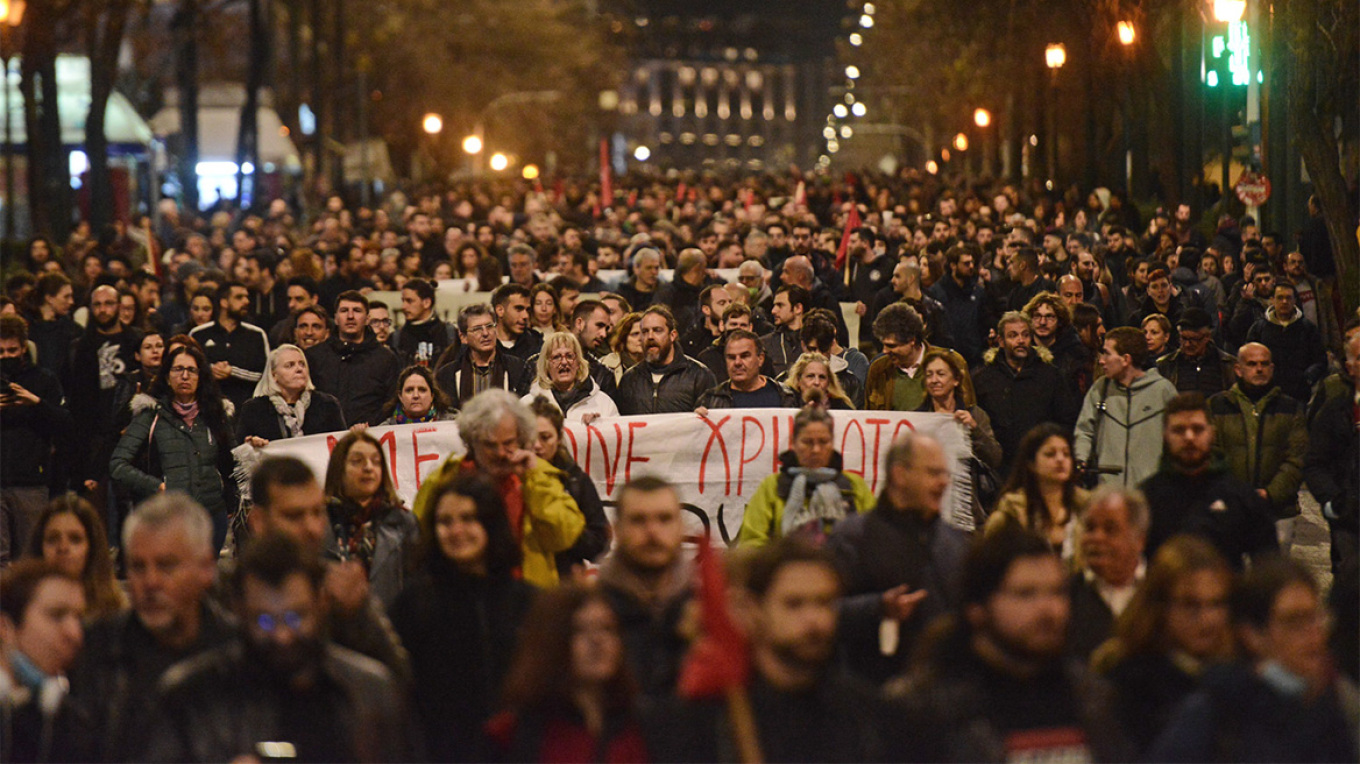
[594, 403]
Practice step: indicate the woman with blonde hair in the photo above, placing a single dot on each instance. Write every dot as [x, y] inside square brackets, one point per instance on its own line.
[564, 379]
[286, 403]
[1173, 628]
[812, 371]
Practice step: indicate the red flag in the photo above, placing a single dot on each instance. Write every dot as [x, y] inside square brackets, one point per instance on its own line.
[851, 223]
[800, 196]
[632, 198]
[680, 193]
[719, 660]
[606, 180]
[750, 197]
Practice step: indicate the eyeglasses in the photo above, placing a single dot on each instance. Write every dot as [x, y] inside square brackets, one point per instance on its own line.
[270, 622]
[483, 329]
[1045, 317]
[184, 371]
[379, 322]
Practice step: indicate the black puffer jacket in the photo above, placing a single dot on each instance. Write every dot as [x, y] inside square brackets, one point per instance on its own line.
[259, 418]
[1333, 455]
[1017, 401]
[683, 381]
[720, 397]
[360, 375]
[594, 540]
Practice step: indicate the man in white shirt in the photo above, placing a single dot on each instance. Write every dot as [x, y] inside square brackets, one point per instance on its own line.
[1112, 539]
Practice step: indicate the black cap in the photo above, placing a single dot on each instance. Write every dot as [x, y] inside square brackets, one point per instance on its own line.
[1194, 319]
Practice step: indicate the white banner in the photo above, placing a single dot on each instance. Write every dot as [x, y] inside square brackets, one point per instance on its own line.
[717, 463]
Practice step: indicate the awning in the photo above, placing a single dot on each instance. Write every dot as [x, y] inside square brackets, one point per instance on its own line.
[219, 123]
[127, 132]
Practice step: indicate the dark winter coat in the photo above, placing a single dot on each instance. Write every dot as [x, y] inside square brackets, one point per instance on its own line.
[1211, 373]
[594, 539]
[1332, 467]
[360, 375]
[720, 397]
[1264, 443]
[682, 383]
[1214, 505]
[1017, 401]
[196, 460]
[966, 312]
[1296, 348]
[258, 417]
[507, 372]
[28, 434]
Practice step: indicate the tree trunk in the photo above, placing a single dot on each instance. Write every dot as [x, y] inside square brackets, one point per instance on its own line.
[1311, 118]
[49, 212]
[248, 133]
[104, 37]
[185, 26]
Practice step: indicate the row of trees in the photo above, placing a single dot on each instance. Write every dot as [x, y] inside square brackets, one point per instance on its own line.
[928, 65]
[366, 69]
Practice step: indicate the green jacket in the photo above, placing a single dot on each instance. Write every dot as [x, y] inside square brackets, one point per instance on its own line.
[1264, 444]
[883, 373]
[764, 515]
[158, 447]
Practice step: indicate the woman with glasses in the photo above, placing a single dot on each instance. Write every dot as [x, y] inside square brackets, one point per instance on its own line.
[180, 439]
[368, 523]
[564, 378]
[286, 403]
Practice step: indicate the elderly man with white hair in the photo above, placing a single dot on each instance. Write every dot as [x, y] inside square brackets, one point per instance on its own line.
[641, 289]
[498, 432]
[1114, 529]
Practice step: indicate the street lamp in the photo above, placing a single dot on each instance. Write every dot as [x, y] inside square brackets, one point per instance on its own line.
[1127, 33]
[432, 124]
[852, 72]
[1229, 11]
[499, 161]
[1055, 55]
[982, 117]
[472, 144]
[530, 172]
[961, 142]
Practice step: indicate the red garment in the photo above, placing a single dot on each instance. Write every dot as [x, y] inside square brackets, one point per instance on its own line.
[562, 739]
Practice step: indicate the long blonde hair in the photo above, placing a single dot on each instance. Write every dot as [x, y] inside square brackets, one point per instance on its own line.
[551, 343]
[833, 387]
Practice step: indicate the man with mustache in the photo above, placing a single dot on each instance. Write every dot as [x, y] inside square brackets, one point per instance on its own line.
[236, 349]
[667, 381]
[106, 351]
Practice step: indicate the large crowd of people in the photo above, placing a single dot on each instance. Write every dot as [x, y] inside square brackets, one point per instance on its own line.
[1146, 406]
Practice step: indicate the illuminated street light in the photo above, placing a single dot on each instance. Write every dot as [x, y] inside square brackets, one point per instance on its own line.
[856, 39]
[499, 161]
[858, 110]
[1229, 11]
[828, 132]
[1127, 34]
[982, 117]
[472, 144]
[840, 111]
[961, 142]
[642, 153]
[852, 72]
[932, 167]
[869, 8]
[847, 131]
[432, 124]
[530, 172]
[1055, 55]
[866, 21]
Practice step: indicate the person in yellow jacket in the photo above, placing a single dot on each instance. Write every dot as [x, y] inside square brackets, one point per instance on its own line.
[810, 493]
[498, 430]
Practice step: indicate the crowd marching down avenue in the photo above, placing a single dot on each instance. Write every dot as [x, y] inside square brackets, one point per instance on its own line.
[694, 462]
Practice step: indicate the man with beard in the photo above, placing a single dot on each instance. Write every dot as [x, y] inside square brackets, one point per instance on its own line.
[513, 335]
[1028, 279]
[965, 302]
[1193, 491]
[591, 322]
[667, 381]
[479, 362]
[167, 544]
[301, 293]
[804, 708]
[900, 562]
[869, 267]
[236, 350]
[648, 581]
[268, 298]
[311, 327]
[31, 421]
[105, 352]
[1051, 321]
[1019, 388]
[280, 689]
[782, 346]
[896, 379]
[798, 271]
[992, 683]
[712, 302]
[1086, 268]
[352, 365]
[422, 339]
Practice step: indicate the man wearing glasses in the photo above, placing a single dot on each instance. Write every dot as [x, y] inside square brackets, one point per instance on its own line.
[1198, 365]
[481, 363]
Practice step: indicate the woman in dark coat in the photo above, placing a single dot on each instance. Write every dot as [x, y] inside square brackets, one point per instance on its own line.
[180, 439]
[459, 618]
[594, 540]
[286, 403]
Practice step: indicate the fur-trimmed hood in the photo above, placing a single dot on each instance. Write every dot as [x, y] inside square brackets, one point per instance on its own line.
[1041, 352]
[146, 402]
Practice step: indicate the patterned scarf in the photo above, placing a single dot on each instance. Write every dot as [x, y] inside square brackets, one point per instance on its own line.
[292, 414]
[401, 417]
[186, 411]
